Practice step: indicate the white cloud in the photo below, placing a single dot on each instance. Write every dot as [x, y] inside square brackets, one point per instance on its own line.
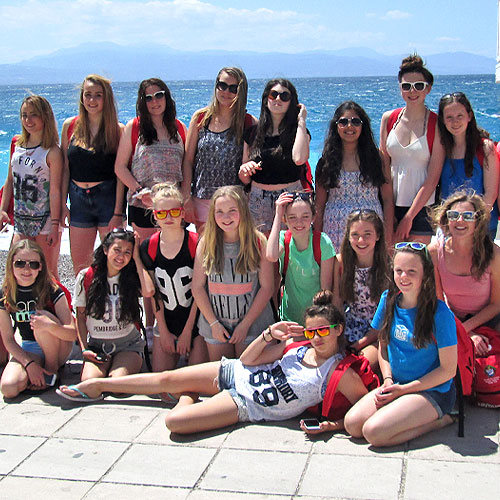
[396, 14]
[447, 39]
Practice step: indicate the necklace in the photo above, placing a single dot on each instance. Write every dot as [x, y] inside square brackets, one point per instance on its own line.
[31, 149]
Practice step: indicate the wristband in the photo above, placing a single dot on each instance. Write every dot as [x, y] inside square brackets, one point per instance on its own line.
[212, 324]
[117, 215]
[137, 190]
[389, 377]
[267, 330]
[28, 363]
[86, 350]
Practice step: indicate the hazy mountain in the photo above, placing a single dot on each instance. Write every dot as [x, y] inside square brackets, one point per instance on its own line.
[133, 63]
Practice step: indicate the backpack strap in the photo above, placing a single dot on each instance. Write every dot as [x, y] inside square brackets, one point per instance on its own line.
[431, 129]
[71, 128]
[13, 144]
[134, 136]
[393, 118]
[286, 257]
[331, 388]
[154, 241]
[317, 247]
[248, 121]
[480, 152]
[87, 279]
[180, 129]
[192, 243]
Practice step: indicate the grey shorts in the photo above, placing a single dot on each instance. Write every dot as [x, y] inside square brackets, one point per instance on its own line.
[133, 342]
[443, 402]
[226, 383]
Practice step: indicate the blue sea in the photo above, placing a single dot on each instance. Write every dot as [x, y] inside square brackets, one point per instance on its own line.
[320, 95]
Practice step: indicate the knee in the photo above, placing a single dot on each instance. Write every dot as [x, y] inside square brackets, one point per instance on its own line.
[374, 433]
[175, 422]
[9, 389]
[353, 424]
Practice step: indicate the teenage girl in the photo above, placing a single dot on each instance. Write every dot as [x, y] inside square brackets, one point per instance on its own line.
[467, 264]
[471, 160]
[247, 389]
[107, 307]
[40, 311]
[232, 280]
[34, 179]
[214, 145]
[417, 356]
[275, 150]
[304, 277]
[360, 278]
[415, 167]
[351, 174]
[176, 333]
[90, 141]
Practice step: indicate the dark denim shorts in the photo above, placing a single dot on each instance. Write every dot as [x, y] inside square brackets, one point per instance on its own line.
[92, 207]
[420, 225]
[443, 402]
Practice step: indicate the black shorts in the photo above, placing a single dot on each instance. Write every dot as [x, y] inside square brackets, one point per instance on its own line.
[420, 225]
[141, 217]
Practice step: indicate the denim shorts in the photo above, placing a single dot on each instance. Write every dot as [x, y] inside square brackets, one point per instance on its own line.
[92, 207]
[420, 225]
[226, 383]
[33, 347]
[141, 217]
[443, 402]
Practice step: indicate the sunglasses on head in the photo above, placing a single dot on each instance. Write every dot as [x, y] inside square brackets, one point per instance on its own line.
[163, 214]
[363, 211]
[354, 121]
[33, 264]
[302, 195]
[223, 86]
[453, 94]
[284, 96]
[157, 95]
[414, 245]
[467, 215]
[417, 86]
[322, 331]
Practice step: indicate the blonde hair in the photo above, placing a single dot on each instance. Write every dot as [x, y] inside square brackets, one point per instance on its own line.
[42, 107]
[108, 135]
[164, 190]
[251, 240]
[239, 104]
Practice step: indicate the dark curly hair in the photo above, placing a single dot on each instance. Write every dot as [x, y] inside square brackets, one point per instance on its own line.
[414, 64]
[128, 282]
[147, 132]
[370, 161]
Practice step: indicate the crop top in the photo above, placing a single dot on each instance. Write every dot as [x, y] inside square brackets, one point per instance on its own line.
[90, 166]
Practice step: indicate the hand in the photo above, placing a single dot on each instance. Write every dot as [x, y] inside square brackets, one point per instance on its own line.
[403, 229]
[283, 200]
[302, 113]
[285, 330]
[115, 221]
[4, 219]
[137, 243]
[481, 345]
[65, 216]
[167, 342]
[53, 237]
[239, 333]
[41, 322]
[89, 355]
[387, 393]
[249, 168]
[324, 426]
[146, 200]
[36, 375]
[184, 343]
[189, 214]
[220, 333]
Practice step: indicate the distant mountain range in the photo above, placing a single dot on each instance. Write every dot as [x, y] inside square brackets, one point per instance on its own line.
[134, 63]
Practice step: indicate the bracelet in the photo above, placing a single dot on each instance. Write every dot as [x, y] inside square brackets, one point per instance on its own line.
[55, 222]
[28, 363]
[137, 190]
[267, 330]
[212, 324]
[389, 377]
[117, 215]
[85, 350]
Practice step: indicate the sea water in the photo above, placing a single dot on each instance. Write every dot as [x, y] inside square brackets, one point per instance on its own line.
[320, 95]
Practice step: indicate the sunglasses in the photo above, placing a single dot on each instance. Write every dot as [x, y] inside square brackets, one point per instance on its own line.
[284, 96]
[33, 264]
[453, 94]
[467, 216]
[363, 211]
[163, 214]
[303, 195]
[354, 121]
[223, 86]
[322, 331]
[157, 95]
[417, 86]
[414, 245]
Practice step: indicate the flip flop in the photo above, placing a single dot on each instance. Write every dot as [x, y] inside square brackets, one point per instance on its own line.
[82, 398]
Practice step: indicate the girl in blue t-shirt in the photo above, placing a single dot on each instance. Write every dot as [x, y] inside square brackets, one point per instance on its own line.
[417, 356]
[303, 277]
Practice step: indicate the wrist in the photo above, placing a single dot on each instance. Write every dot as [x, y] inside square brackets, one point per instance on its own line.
[267, 335]
[214, 323]
[28, 363]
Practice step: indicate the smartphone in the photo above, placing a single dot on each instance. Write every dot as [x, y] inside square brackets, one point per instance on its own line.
[312, 424]
[50, 380]
[101, 357]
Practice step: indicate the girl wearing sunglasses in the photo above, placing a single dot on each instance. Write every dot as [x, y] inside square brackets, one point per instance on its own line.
[467, 264]
[411, 145]
[417, 356]
[265, 384]
[34, 179]
[170, 265]
[471, 160]
[350, 174]
[108, 312]
[214, 145]
[275, 150]
[89, 142]
[33, 304]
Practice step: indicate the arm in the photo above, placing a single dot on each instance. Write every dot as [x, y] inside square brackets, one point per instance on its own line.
[117, 218]
[189, 156]
[326, 273]
[300, 149]
[321, 199]
[65, 178]
[248, 167]
[490, 173]
[273, 249]
[60, 325]
[55, 162]
[8, 190]
[123, 157]
[369, 338]
[387, 196]
[147, 285]
[167, 339]
[184, 340]
[433, 249]
[338, 300]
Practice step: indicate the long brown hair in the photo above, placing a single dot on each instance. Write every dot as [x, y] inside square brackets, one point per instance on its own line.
[42, 107]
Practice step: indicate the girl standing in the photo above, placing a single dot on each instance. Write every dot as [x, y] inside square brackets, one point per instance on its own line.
[40, 311]
[169, 258]
[275, 150]
[360, 278]
[471, 160]
[232, 280]
[417, 356]
[303, 277]
[214, 145]
[34, 179]
[411, 144]
[90, 141]
[351, 174]
[107, 307]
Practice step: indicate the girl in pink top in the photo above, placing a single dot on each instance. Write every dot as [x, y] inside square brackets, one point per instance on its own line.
[467, 264]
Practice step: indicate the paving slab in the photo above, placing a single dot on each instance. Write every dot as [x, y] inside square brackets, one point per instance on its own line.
[114, 491]
[232, 495]
[15, 449]
[23, 488]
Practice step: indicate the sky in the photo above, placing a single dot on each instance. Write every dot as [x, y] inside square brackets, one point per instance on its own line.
[40, 27]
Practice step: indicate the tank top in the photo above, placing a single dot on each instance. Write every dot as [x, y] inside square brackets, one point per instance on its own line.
[283, 389]
[464, 294]
[31, 189]
[408, 167]
[90, 166]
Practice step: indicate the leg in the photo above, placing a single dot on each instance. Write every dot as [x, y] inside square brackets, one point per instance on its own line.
[356, 417]
[81, 241]
[216, 351]
[51, 252]
[239, 348]
[14, 378]
[125, 363]
[162, 360]
[218, 411]
[92, 370]
[199, 352]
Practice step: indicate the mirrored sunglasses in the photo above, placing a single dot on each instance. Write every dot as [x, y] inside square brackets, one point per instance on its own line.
[33, 264]
[322, 331]
[467, 215]
[415, 245]
[163, 214]
[354, 121]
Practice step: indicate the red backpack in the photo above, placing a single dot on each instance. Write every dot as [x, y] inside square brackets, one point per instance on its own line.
[487, 377]
[154, 243]
[286, 244]
[335, 405]
[10, 208]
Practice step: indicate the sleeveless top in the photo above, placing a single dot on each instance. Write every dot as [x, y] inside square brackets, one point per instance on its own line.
[408, 167]
[31, 187]
[90, 166]
[157, 162]
[217, 162]
[282, 389]
[464, 294]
